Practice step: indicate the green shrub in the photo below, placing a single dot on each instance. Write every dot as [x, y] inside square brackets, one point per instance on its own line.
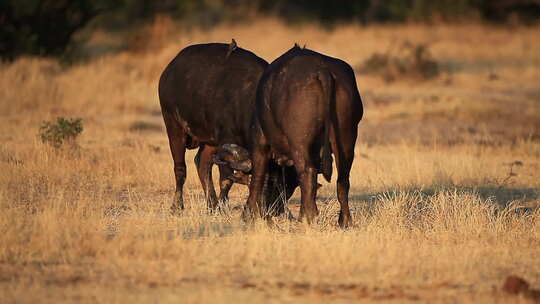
[61, 132]
[44, 27]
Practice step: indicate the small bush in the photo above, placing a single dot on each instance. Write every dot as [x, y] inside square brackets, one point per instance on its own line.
[409, 61]
[60, 132]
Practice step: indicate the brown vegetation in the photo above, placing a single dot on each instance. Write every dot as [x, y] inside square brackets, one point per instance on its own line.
[442, 210]
[519, 286]
[411, 61]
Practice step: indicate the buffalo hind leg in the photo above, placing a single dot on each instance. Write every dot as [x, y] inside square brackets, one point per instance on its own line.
[343, 186]
[177, 143]
[344, 162]
[307, 175]
[204, 169]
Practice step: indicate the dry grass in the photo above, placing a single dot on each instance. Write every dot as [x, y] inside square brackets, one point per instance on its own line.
[440, 213]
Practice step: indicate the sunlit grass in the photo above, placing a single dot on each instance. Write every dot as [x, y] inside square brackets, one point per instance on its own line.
[435, 218]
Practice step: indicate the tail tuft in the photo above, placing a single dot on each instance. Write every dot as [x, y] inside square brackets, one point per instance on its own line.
[326, 163]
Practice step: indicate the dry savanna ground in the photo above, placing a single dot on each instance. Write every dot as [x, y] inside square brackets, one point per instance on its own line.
[445, 185]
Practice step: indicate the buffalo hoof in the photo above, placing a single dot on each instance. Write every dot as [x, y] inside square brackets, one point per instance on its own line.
[345, 222]
[175, 210]
[177, 207]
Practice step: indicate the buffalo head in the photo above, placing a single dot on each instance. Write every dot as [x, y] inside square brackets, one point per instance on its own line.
[234, 156]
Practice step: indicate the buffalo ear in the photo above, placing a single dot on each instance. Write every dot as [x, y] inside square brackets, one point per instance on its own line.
[220, 158]
[218, 161]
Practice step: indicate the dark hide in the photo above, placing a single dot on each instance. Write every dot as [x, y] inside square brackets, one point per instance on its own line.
[308, 107]
[207, 95]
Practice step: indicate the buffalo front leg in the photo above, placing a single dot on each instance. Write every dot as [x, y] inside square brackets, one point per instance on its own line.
[177, 143]
[204, 169]
[225, 183]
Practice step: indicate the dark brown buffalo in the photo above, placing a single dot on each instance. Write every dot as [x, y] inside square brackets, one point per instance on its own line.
[308, 107]
[207, 96]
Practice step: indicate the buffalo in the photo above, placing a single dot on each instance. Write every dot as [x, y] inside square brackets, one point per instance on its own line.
[207, 96]
[308, 107]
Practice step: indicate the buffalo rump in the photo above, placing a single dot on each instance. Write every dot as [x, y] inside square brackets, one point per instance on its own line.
[308, 107]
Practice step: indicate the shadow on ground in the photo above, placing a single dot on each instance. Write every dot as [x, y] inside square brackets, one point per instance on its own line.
[502, 196]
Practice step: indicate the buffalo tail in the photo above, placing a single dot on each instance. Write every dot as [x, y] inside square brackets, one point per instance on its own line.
[328, 84]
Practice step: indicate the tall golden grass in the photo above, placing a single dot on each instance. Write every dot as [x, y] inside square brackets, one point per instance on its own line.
[445, 185]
